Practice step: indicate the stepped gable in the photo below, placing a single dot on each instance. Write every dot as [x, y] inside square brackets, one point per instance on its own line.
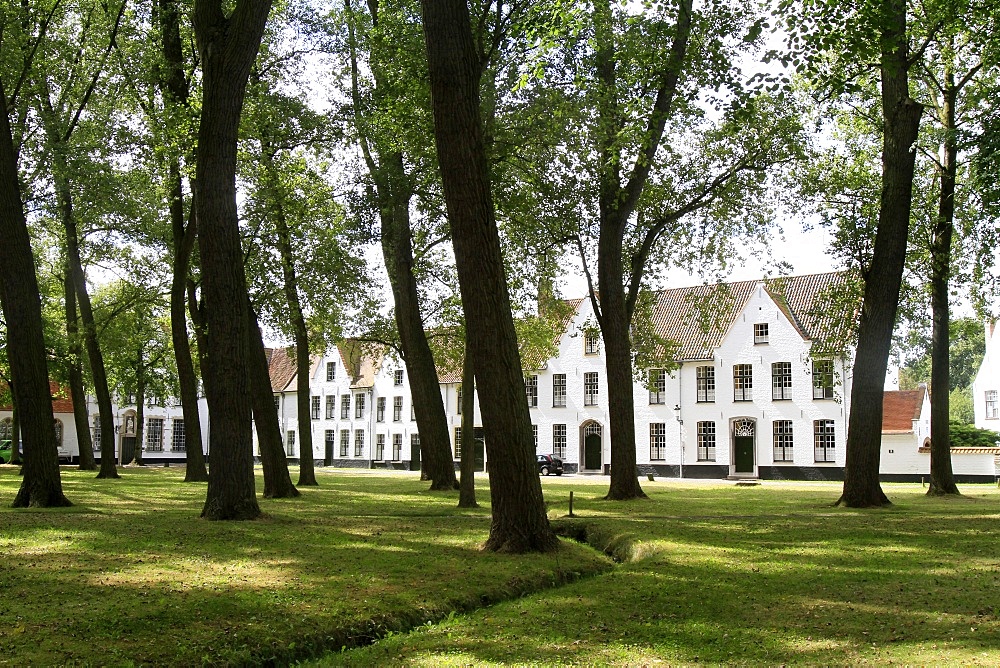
[899, 409]
[697, 318]
[362, 360]
[281, 368]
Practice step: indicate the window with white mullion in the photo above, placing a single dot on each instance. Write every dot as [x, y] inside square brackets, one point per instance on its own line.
[657, 440]
[783, 441]
[706, 384]
[781, 380]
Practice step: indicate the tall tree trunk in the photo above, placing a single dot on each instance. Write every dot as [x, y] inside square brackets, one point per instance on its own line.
[942, 476]
[98, 374]
[307, 471]
[467, 488]
[519, 522]
[15, 437]
[228, 46]
[277, 480]
[22, 311]
[421, 372]
[901, 120]
[140, 416]
[174, 87]
[74, 370]
[393, 193]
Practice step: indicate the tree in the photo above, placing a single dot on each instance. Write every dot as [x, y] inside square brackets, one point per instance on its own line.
[519, 523]
[228, 45]
[395, 154]
[41, 485]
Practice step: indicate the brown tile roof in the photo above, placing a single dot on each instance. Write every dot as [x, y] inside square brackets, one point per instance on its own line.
[697, 318]
[62, 400]
[899, 409]
[281, 367]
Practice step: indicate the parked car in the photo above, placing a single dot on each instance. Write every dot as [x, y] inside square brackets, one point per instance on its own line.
[6, 452]
[548, 464]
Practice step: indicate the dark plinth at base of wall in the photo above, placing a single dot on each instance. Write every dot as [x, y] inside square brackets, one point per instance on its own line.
[960, 478]
[818, 473]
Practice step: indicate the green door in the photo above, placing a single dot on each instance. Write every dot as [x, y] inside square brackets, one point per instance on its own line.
[592, 452]
[128, 449]
[414, 455]
[744, 454]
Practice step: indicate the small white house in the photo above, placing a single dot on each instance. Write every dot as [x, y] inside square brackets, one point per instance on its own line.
[986, 386]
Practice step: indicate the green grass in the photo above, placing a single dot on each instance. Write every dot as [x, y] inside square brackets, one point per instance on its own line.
[131, 575]
[763, 576]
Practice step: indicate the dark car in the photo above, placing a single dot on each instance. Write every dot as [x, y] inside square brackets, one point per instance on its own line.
[6, 452]
[547, 465]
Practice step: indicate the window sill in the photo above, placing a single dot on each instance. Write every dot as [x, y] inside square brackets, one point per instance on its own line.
[781, 398]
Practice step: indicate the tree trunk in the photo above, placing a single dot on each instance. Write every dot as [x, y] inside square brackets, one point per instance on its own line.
[15, 436]
[307, 471]
[74, 371]
[140, 417]
[467, 488]
[277, 480]
[519, 522]
[228, 46]
[942, 476]
[421, 372]
[174, 87]
[901, 120]
[22, 311]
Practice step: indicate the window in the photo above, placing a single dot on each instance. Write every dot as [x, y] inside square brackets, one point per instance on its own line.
[359, 405]
[314, 412]
[397, 447]
[7, 428]
[558, 389]
[991, 405]
[380, 447]
[760, 333]
[657, 440]
[380, 409]
[277, 404]
[781, 380]
[823, 440]
[534, 436]
[397, 377]
[458, 442]
[331, 371]
[154, 434]
[822, 379]
[331, 407]
[706, 441]
[413, 414]
[783, 441]
[290, 444]
[459, 394]
[178, 436]
[359, 442]
[742, 382]
[345, 406]
[345, 441]
[590, 388]
[657, 386]
[706, 384]
[559, 440]
[531, 389]
[97, 433]
[397, 409]
[591, 342]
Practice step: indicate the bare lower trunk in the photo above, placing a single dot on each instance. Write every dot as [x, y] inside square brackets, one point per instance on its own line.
[901, 120]
[277, 480]
[41, 485]
[519, 521]
[307, 471]
[74, 372]
[467, 488]
[140, 420]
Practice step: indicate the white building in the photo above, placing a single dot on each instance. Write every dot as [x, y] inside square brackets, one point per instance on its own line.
[986, 386]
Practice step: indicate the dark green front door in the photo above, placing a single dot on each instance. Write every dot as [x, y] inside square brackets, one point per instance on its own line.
[128, 449]
[592, 452]
[414, 455]
[744, 454]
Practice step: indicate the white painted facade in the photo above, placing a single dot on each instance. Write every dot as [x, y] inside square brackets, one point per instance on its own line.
[164, 436]
[986, 386]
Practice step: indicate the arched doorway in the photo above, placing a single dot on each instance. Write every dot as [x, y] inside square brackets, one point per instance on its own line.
[744, 450]
[592, 438]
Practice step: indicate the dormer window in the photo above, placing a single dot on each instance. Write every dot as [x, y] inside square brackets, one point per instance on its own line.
[591, 342]
[760, 333]
[331, 371]
[397, 377]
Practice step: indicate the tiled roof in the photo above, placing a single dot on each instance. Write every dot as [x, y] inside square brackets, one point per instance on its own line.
[697, 318]
[62, 400]
[281, 367]
[899, 409]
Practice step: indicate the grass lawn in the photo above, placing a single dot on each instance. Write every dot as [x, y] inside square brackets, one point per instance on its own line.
[131, 575]
[767, 575]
